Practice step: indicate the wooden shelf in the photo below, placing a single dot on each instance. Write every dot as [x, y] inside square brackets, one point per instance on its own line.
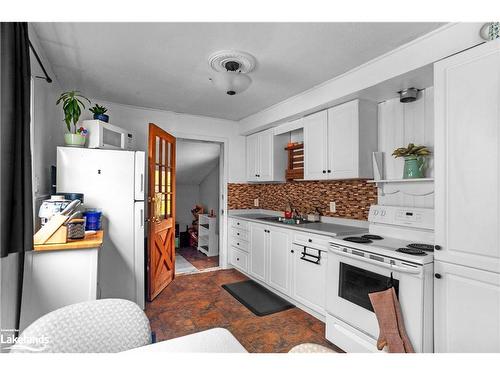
[408, 186]
[295, 170]
[402, 180]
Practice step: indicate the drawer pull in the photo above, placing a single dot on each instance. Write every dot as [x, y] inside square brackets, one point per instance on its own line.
[237, 259]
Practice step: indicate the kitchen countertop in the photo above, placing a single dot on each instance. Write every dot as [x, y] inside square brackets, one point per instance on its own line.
[91, 241]
[325, 229]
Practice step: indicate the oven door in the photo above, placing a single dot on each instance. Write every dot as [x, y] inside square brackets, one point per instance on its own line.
[350, 278]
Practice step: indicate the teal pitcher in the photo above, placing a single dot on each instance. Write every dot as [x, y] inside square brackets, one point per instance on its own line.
[414, 167]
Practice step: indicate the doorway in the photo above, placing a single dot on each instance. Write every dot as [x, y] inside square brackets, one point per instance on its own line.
[198, 186]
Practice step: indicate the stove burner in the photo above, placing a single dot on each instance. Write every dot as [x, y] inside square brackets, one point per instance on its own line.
[421, 246]
[358, 239]
[411, 251]
[372, 237]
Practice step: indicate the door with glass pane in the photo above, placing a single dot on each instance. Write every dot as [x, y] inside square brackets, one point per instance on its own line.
[161, 201]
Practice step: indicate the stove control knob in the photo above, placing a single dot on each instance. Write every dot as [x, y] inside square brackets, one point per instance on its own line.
[375, 212]
[437, 247]
[382, 213]
[437, 275]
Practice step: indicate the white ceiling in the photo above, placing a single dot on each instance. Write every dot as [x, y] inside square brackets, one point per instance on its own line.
[164, 65]
[195, 160]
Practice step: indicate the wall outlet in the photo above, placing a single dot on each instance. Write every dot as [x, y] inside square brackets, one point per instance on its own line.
[333, 207]
[256, 202]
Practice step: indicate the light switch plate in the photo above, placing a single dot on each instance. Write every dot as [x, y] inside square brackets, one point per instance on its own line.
[256, 202]
[333, 207]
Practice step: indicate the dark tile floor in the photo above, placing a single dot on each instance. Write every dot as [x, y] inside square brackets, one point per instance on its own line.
[198, 259]
[196, 302]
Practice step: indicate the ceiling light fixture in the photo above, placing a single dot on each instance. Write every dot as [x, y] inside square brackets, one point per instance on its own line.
[230, 71]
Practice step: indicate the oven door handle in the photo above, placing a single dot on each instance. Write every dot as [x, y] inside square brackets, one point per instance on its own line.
[392, 267]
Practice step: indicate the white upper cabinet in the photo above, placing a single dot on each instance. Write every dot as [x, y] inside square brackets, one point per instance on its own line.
[266, 157]
[316, 146]
[338, 142]
[467, 157]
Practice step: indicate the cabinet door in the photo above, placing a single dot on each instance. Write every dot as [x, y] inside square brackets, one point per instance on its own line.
[315, 146]
[279, 259]
[258, 244]
[343, 141]
[253, 157]
[309, 281]
[266, 157]
[467, 157]
[466, 309]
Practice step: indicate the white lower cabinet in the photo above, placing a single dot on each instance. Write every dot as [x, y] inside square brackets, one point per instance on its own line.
[239, 259]
[279, 259]
[466, 309]
[258, 245]
[309, 279]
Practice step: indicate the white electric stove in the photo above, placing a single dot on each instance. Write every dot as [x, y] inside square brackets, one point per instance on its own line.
[396, 251]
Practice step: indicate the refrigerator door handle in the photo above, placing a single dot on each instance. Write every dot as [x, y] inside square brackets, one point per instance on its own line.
[142, 218]
[142, 182]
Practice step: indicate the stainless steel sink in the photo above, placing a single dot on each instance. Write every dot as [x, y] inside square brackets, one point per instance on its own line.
[282, 220]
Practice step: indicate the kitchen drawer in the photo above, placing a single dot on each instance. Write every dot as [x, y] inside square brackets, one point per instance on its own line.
[240, 224]
[239, 234]
[240, 244]
[239, 259]
[312, 240]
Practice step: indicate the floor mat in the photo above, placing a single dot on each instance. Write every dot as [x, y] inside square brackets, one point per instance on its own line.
[256, 298]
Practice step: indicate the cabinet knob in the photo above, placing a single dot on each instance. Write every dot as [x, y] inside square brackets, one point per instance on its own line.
[437, 247]
[329, 171]
[292, 251]
[237, 258]
[237, 234]
[237, 243]
[237, 223]
[324, 171]
[310, 240]
[437, 275]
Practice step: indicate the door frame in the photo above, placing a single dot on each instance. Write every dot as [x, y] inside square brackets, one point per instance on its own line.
[223, 182]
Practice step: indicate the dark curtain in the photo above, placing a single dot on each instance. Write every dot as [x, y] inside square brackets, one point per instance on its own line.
[16, 207]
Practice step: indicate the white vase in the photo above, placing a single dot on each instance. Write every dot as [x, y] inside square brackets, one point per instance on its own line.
[74, 140]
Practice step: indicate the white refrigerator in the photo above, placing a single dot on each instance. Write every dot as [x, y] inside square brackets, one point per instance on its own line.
[112, 181]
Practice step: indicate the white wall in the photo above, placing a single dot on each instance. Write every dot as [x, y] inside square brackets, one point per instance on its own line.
[209, 191]
[181, 125]
[398, 125]
[187, 196]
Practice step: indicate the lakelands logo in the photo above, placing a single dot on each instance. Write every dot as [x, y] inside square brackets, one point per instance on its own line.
[26, 343]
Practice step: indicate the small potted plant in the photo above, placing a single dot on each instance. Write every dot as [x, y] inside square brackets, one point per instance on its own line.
[99, 112]
[414, 160]
[72, 105]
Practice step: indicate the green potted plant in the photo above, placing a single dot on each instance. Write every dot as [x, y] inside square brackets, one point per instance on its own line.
[72, 105]
[414, 160]
[99, 112]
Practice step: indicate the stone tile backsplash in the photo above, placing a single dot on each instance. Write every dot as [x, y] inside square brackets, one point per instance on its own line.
[352, 197]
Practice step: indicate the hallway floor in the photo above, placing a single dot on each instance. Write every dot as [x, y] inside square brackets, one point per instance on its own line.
[199, 260]
[197, 302]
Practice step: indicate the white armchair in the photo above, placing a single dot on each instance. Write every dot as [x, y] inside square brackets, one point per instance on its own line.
[101, 326]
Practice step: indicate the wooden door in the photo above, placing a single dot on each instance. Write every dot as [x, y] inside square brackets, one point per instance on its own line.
[315, 146]
[258, 245]
[161, 200]
[467, 157]
[343, 141]
[466, 310]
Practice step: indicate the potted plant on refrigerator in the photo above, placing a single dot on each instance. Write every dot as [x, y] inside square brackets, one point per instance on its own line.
[414, 160]
[72, 104]
[99, 112]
